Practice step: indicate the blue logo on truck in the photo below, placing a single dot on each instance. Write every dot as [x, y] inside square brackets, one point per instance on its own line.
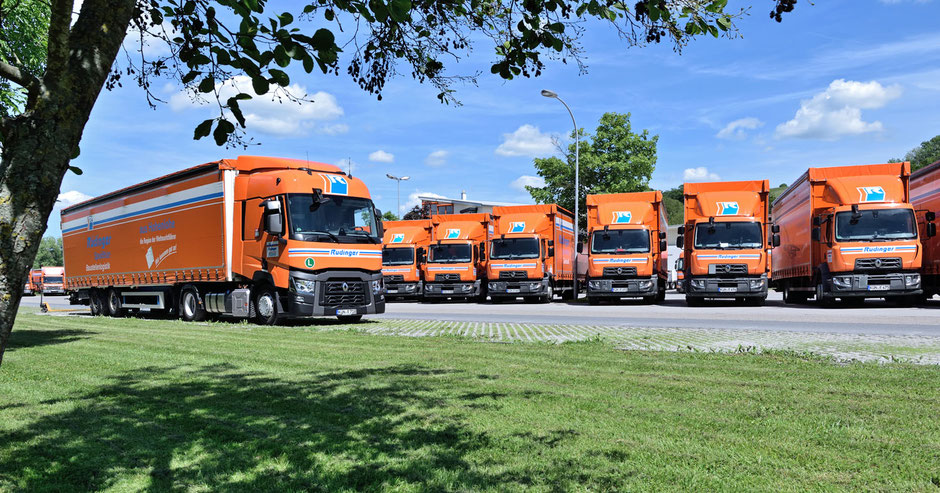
[453, 234]
[398, 237]
[338, 185]
[871, 194]
[622, 217]
[727, 208]
[518, 227]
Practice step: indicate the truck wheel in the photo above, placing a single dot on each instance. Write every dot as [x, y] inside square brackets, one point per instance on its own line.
[114, 303]
[265, 305]
[191, 309]
[549, 294]
[821, 298]
[95, 304]
[661, 294]
[349, 319]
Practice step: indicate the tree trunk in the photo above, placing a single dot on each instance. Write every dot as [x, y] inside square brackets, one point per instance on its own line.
[38, 144]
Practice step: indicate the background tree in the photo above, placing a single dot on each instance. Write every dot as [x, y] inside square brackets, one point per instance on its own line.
[927, 153]
[233, 50]
[389, 216]
[418, 212]
[49, 254]
[613, 160]
[674, 199]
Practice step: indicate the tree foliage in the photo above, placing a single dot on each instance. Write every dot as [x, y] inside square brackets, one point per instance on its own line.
[389, 216]
[24, 28]
[49, 254]
[674, 200]
[613, 160]
[418, 212]
[927, 153]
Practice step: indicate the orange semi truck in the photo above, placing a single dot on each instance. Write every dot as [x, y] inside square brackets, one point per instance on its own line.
[723, 241]
[925, 198]
[405, 250]
[847, 232]
[456, 264]
[53, 281]
[627, 255]
[531, 253]
[253, 237]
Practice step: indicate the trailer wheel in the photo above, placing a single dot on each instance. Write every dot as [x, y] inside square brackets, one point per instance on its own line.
[113, 300]
[821, 298]
[549, 294]
[95, 304]
[191, 309]
[661, 294]
[265, 306]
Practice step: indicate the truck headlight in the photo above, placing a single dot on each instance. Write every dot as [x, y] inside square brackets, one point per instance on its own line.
[842, 281]
[911, 280]
[697, 284]
[535, 286]
[377, 286]
[756, 283]
[594, 284]
[409, 287]
[305, 286]
[466, 287]
[646, 284]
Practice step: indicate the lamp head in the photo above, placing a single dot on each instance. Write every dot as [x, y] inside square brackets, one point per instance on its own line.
[549, 94]
[405, 178]
[391, 177]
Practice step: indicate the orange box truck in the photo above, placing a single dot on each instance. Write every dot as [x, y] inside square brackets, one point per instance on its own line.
[253, 237]
[53, 281]
[33, 282]
[404, 251]
[925, 198]
[627, 256]
[531, 253]
[847, 232]
[456, 265]
[723, 241]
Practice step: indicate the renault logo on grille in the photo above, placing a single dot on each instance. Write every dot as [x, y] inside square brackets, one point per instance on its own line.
[345, 287]
[619, 270]
[878, 262]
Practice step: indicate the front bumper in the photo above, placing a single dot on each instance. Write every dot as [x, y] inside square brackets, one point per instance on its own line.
[53, 290]
[726, 287]
[403, 289]
[873, 285]
[296, 304]
[622, 288]
[516, 288]
[452, 289]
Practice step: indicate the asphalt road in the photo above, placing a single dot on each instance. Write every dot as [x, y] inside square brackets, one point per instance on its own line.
[875, 317]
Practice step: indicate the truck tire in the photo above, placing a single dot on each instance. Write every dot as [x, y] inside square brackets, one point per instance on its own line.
[349, 319]
[191, 308]
[821, 298]
[265, 306]
[549, 294]
[95, 304]
[113, 300]
[661, 294]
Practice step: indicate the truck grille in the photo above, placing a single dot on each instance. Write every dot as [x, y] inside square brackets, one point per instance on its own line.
[728, 269]
[395, 278]
[878, 263]
[512, 274]
[335, 294]
[619, 271]
[446, 277]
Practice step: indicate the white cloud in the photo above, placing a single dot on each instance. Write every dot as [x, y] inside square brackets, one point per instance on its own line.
[527, 140]
[414, 201]
[527, 180]
[837, 111]
[70, 198]
[699, 174]
[273, 113]
[381, 156]
[736, 130]
[437, 158]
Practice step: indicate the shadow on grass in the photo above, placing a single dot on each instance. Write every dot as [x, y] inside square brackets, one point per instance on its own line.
[177, 428]
[27, 338]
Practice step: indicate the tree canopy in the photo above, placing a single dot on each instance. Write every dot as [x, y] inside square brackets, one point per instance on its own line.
[927, 153]
[50, 253]
[612, 160]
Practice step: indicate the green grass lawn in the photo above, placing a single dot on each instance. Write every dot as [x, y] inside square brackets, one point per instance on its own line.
[164, 405]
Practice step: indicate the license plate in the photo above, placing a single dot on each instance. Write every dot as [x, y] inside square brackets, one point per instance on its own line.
[879, 287]
[513, 290]
[447, 291]
[346, 311]
[727, 290]
[620, 290]
[392, 290]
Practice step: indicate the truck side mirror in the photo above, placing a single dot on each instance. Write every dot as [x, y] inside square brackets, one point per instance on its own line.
[816, 234]
[551, 243]
[551, 251]
[931, 230]
[662, 235]
[775, 240]
[680, 230]
[273, 221]
[580, 247]
[422, 255]
[775, 228]
[663, 245]
[380, 228]
[482, 251]
[817, 222]
[930, 216]
[680, 241]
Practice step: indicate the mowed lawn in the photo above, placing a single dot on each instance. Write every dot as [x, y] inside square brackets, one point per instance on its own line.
[88, 404]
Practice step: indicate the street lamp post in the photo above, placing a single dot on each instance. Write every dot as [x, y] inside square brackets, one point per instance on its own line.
[399, 180]
[577, 173]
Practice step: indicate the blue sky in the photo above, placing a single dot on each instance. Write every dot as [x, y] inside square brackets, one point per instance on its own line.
[839, 82]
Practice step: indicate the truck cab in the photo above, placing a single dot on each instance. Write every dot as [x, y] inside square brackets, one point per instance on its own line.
[403, 254]
[53, 280]
[456, 261]
[627, 255]
[725, 241]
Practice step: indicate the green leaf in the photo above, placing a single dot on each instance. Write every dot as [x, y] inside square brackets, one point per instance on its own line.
[260, 85]
[76, 170]
[202, 130]
[76, 153]
[222, 131]
[400, 10]
[280, 77]
[207, 84]
[285, 18]
[189, 77]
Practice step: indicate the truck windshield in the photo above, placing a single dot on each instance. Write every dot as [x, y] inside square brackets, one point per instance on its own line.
[728, 235]
[398, 256]
[449, 253]
[621, 241]
[510, 248]
[334, 218]
[53, 279]
[876, 225]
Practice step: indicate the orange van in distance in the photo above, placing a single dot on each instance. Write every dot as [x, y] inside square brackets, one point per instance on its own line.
[405, 251]
[456, 265]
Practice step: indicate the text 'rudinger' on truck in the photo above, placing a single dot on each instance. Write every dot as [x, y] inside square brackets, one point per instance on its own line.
[848, 232]
[724, 239]
[253, 237]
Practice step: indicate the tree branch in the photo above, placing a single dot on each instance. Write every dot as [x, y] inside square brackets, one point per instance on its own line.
[59, 22]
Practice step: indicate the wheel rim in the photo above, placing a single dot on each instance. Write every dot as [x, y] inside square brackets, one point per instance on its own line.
[113, 302]
[265, 305]
[189, 304]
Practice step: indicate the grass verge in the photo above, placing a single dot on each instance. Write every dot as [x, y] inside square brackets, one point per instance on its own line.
[164, 405]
